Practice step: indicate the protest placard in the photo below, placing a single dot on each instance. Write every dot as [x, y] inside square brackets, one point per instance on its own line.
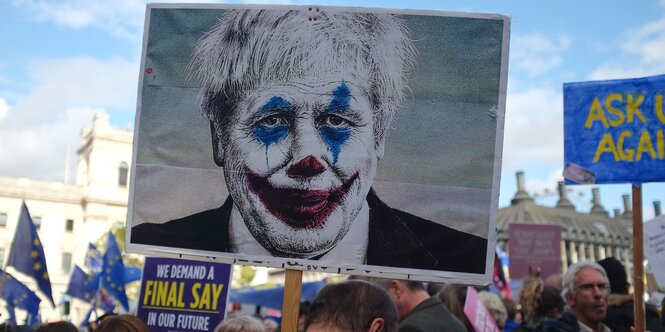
[534, 246]
[266, 134]
[654, 248]
[477, 313]
[613, 131]
[183, 295]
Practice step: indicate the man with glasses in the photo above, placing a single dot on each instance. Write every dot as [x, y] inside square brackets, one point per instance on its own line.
[585, 290]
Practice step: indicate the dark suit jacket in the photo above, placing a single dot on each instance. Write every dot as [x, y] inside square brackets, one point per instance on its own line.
[396, 238]
[430, 315]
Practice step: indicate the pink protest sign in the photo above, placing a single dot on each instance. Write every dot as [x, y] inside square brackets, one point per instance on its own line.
[478, 315]
[536, 246]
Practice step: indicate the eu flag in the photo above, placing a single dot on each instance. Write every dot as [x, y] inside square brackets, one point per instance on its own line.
[132, 273]
[93, 258]
[105, 303]
[27, 254]
[113, 272]
[83, 286]
[20, 296]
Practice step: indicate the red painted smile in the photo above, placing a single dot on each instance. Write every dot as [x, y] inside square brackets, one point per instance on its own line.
[296, 207]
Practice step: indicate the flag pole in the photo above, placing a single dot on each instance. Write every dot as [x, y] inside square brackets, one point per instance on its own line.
[2, 278]
[638, 259]
[291, 304]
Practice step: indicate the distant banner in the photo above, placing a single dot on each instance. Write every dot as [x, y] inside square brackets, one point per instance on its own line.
[272, 296]
[654, 248]
[613, 131]
[183, 295]
[534, 246]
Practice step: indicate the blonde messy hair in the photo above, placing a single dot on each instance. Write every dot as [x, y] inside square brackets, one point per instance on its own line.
[246, 48]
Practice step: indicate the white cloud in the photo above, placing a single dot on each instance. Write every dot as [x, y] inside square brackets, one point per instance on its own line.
[4, 108]
[38, 127]
[533, 132]
[642, 54]
[123, 18]
[75, 82]
[39, 150]
[537, 54]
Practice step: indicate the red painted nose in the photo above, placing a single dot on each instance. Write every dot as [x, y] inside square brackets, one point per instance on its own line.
[307, 167]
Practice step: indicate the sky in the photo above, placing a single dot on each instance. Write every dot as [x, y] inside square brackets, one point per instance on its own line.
[63, 61]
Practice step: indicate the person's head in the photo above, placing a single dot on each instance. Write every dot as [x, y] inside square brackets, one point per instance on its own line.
[495, 306]
[585, 289]
[300, 102]
[270, 324]
[303, 312]
[511, 308]
[539, 300]
[354, 306]
[240, 324]
[453, 297]
[57, 327]
[92, 325]
[555, 281]
[434, 288]
[405, 294]
[617, 275]
[122, 323]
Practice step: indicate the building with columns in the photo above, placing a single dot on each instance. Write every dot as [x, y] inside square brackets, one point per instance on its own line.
[584, 236]
[69, 215]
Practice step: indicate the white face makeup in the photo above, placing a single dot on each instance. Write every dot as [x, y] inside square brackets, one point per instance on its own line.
[299, 158]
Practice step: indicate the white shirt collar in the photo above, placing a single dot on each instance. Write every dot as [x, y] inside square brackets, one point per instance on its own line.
[584, 328]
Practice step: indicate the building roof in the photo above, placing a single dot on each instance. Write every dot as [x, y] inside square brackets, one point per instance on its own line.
[595, 226]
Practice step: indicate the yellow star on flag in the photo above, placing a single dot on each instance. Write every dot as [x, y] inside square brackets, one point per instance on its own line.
[35, 254]
[37, 266]
[36, 242]
[45, 275]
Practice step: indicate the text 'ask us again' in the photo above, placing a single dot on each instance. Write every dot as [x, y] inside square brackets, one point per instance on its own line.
[623, 110]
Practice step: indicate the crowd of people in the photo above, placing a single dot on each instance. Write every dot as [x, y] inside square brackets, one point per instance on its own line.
[589, 296]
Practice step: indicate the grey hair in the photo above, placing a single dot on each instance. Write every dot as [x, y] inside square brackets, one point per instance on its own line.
[246, 48]
[240, 324]
[568, 279]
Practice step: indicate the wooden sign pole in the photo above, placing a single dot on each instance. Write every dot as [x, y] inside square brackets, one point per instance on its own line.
[291, 305]
[638, 259]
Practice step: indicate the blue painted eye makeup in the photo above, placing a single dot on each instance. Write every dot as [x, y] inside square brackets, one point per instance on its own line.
[275, 126]
[341, 97]
[336, 130]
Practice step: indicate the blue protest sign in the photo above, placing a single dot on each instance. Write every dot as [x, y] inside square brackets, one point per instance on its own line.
[183, 295]
[613, 131]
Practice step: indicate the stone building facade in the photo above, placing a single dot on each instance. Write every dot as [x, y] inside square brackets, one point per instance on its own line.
[584, 236]
[69, 215]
